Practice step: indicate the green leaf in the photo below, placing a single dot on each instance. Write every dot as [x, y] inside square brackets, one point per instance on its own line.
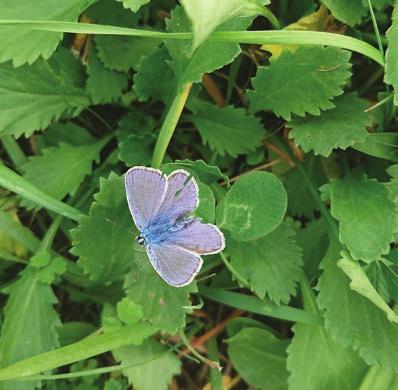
[207, 15]
[32, 96]
[69, 166]
[271, 264]
[260, 358]
[391, 67]
[163, 306]
[103, 85]
[188, 66]
[29, 321]
[381, 145]
[362, 285]
[351, 13]
[366, 215]
[227, 130]
[22, 44]
[340, 128]
[68, 133]
[201, 170]
[316, 361]
[106, 251]
[128, 311]
[154, 77]
[134, 5]
[253, 207]
[154, 368]
[135, 135]
[301, 82]
[117, 52]
[384, 279]
[349, 323]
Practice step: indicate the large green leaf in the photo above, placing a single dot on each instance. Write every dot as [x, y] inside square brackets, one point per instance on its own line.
[381, 145]
[69, 166]
[188, 66]
[317, 362]
[153, 365]
[207, 15]
[106, 251]
[227, 130]
[367, 217]
[22, 44]
[340, 128]
[271, 264]
[253, 207]
[32, 96]
[260, 358]
[30, 323]
[134, 5]
[391, 69]
[354, 321]
[163, 306]
[301, 82]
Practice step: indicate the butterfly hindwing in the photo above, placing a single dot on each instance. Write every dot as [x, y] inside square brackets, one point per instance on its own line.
[176, 266]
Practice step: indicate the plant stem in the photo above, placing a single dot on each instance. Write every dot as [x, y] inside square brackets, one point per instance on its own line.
[376, 28]
[169, 124]
[234, 272]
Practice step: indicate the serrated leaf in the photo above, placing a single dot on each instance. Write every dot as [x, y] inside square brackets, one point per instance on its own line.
[29, 321]
[366, 215]
[207, 15]
[253, 207]
[260, 358]
[134, 5]
[362, 285]
[350, 323]
[154, 78]
[163, 306]
[60, 170]
[226, 129]
[317, 362]
[153, 365]
[301, 82]
[391, 67]
[32, 96]
[384, 279]
[271, 264]
[201, 170]
[106, 251]
[188, 66]
[135, 135]
[340, 127]
[351, 13]
[128, 311]
[22, 44]
[103, 85]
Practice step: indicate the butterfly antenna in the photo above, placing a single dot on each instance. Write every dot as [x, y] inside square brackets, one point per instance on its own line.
[118, 226]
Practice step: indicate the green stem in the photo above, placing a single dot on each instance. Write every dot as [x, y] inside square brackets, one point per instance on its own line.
[15, 152]
[309, 300]
[169, 124]
[376, 28]
[234, 272]
[196, 353]
[84, 349]
[281, 37]
[233, 73]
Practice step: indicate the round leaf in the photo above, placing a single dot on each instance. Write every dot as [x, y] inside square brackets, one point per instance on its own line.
[253, 207]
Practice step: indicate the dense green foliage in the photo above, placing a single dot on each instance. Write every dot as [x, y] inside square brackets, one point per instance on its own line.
[284, 113]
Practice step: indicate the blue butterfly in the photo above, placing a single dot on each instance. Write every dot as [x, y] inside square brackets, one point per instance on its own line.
[174, 240]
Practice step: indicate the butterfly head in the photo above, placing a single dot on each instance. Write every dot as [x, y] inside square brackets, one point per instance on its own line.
[140, 240]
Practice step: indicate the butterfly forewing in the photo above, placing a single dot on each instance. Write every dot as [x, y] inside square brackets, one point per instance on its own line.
[145, 189]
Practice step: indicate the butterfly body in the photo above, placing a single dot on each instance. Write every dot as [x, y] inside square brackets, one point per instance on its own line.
[174, 240]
